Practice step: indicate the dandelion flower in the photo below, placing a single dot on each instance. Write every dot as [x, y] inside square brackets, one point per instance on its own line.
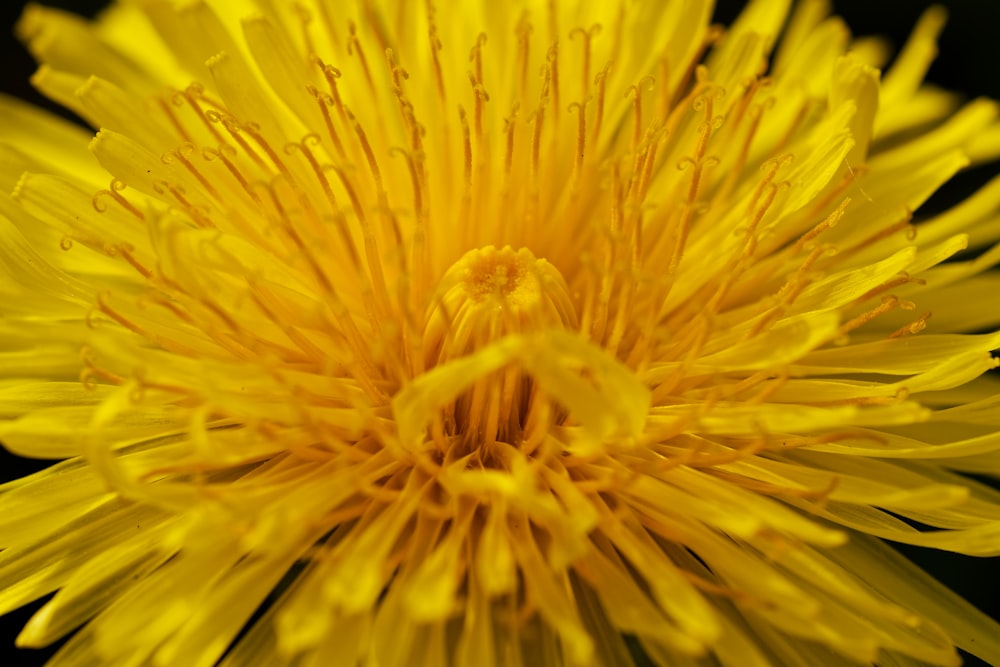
[508, 333]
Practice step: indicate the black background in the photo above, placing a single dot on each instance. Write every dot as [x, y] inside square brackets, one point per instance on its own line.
[968, 62]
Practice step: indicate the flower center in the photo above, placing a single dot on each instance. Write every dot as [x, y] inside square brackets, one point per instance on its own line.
[485, 296]
[490, 293]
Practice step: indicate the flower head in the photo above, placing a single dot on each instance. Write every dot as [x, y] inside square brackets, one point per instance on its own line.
[500, 334]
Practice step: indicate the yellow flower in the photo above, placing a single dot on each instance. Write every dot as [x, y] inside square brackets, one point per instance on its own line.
[503, 333]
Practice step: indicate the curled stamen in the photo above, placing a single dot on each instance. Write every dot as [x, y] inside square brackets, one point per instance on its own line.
[476, 54]
[90, 318]
[805, 241]
[88, 378]
[91, 372]
[600, 82]
[312, 139]
[711, 94]
[635, 92]
[117, 185]
[126, 251]
[648, 82]
[913, 328]
[226, 153]
[215, 116]
[182, 155]
[209, 153]
[890, 302]
[293, 147]
[397, 73]
[326, 102]
[331, 74]
[185, 150]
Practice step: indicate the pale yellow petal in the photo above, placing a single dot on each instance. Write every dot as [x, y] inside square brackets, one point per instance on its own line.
[893, 575]
[907, 72]
[51, 141]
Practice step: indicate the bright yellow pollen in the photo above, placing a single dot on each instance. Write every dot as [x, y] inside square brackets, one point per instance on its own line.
[504, 275]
